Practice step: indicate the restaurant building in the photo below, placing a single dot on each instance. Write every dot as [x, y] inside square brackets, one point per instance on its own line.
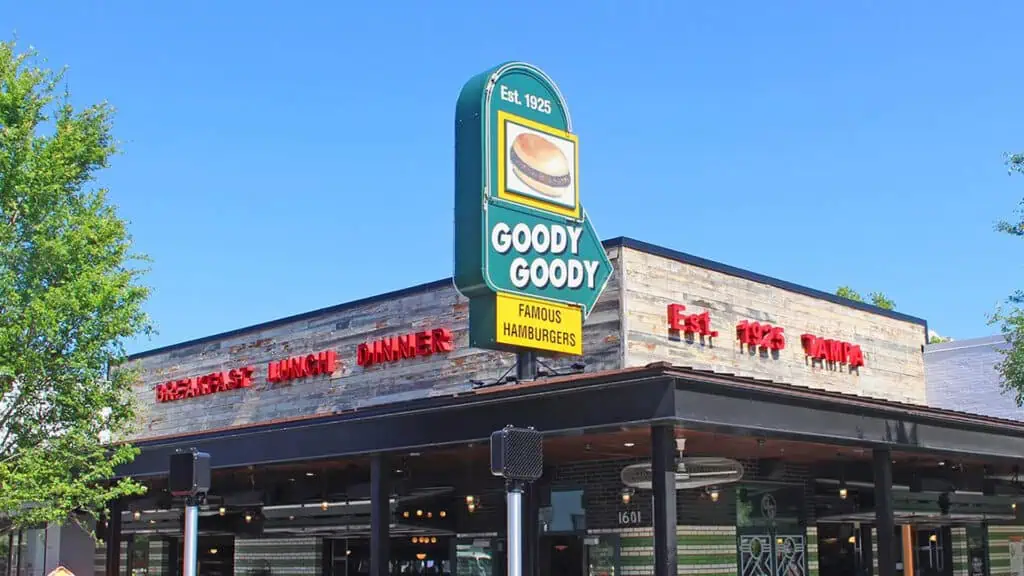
[796, 424]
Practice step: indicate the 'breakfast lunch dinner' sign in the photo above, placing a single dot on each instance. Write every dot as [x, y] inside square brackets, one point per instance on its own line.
[526, 255]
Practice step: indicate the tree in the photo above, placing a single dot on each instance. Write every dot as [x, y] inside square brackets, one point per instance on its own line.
[70, 295]
[1010, 317]
[877, 298]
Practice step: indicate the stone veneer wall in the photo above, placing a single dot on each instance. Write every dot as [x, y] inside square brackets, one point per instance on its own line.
[999, 547]
[894, 360]
[351, 386]
[284, 556]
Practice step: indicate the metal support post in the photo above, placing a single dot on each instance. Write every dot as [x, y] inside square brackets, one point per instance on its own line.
[190, 567]
[663, 472]
[113, 540]
[514, 502]
[526, 366]
[380, 517]
[884, 522]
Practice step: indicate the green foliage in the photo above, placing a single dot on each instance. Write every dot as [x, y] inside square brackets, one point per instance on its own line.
[70, 295]
[1010, 316]
[877, 298]
[849, 294]
[936, 339]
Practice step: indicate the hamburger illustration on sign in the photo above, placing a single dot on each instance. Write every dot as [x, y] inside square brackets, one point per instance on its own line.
[526, 254]
[538, 164]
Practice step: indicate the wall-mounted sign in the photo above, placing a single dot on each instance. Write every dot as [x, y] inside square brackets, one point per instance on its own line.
[690, 324]
[395, 348]
[692, 472]
[832, 351]
[324, 362]
[526, 254]
[630, 518]
[760, 336]
[205, 384]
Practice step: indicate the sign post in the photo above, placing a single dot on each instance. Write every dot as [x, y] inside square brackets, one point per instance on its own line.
[517, 455]
[526, 254]
[189, 477]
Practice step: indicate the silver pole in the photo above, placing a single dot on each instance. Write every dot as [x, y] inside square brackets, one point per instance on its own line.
[514, 500]
[191, 539]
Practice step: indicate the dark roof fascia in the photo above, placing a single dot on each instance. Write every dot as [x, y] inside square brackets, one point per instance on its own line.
[621, 241]
[759, 278]
[765, 390]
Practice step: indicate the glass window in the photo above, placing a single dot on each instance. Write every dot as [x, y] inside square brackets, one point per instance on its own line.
[603, 557]
[976, 536]
[566, 513]
[473, 559]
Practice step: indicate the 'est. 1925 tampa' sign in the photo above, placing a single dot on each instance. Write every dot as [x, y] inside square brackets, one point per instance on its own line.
[526, 255]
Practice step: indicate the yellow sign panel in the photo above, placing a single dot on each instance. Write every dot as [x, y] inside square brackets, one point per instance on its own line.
[538, 324]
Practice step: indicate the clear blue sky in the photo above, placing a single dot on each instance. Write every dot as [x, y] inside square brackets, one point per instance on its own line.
[280, 158]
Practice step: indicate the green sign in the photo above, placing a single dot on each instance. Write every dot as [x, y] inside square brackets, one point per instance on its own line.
[526, 255]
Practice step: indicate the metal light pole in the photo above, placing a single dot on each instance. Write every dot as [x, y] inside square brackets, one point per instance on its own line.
[191, 561]
[517, 454]
[188, 476]
[514, 501]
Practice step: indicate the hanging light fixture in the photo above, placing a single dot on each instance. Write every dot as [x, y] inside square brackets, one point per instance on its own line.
[470, 503]
[222, 511]
[421, 556]
[325, 505]
[213, 550]
[430, 514]
[136, 515]
[442, 513]
[714, 493]
[433, 539]
[852, 539]
[627, 495]
[419, 513]
[843, 492]
[415, 540]
[405, 514]
[248, 517]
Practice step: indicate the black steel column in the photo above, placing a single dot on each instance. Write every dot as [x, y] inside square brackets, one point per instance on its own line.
[114, 539]
[884, 523]
[867, 558]
[380, 517]
[663, 454]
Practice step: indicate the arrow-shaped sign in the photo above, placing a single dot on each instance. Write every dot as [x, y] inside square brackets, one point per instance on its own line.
[526, 254]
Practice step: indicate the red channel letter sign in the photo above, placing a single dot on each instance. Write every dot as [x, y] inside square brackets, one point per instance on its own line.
[425, 343]
[324, 362]
[699, 324]
[832, 351]
[763, 336]
[206, 384]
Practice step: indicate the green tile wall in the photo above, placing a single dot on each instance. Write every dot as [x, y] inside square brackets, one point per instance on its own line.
[959, 544]
[999, 547]
[701, 550]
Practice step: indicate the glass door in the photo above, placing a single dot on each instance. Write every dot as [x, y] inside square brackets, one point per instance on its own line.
[602, 555]
[770, 533]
